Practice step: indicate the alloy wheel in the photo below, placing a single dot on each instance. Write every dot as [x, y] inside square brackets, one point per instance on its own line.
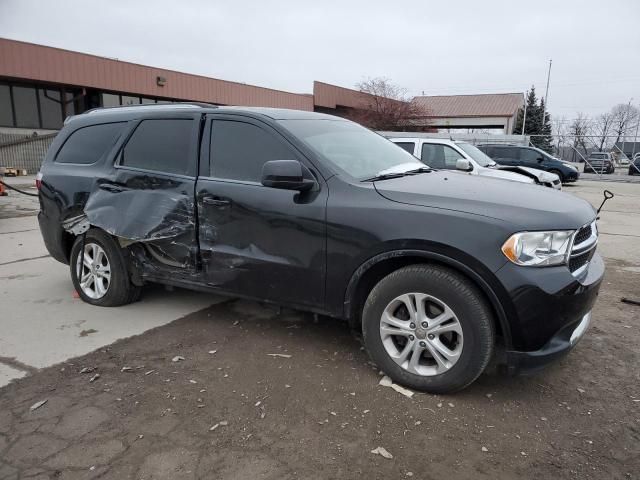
[95, 273]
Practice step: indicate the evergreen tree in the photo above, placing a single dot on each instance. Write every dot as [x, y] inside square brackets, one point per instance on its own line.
[541, 133]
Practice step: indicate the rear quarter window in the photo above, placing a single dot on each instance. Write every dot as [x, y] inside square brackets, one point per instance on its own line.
[89, 144]
[408, 146]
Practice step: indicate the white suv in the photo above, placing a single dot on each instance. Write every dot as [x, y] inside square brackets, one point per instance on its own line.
[444, 154]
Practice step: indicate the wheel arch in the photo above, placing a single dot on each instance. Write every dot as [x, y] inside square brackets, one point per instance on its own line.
[369, 273]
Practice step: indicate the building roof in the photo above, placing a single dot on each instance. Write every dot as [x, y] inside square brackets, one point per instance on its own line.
[24, 60]
[485, 105]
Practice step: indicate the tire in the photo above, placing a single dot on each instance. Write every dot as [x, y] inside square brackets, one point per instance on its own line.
[118, 289]
[443, 286]
[559, 173]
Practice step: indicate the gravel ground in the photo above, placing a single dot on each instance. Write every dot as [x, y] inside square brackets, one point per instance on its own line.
[241, 391]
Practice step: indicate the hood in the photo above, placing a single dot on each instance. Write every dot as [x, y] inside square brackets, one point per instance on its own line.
[505, 175]
[540, 176]
[526, 207]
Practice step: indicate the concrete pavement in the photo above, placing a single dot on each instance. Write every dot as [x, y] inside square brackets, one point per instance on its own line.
[41, 323]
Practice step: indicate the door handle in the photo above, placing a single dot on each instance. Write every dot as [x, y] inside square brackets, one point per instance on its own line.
[216, 201]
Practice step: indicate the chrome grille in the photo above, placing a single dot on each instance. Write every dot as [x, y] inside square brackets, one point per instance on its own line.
[583, 248]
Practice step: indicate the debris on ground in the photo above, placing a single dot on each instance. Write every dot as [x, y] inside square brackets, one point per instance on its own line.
[223, 423]
[94, 378]
[581, 390]
[211, 352]
[283, 355]
[382, 452]
[484, 449]
[37, 405]
[87, 370]
[149, 372]
[177, 358]
[126, 369]
[386, 382]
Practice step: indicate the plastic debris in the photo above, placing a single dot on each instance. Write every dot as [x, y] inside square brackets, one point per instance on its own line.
[382, 452]
[177, 358]
[484, 449]
[37, 405]
[386, 382]
[94, 378]
[282, 355]
[126, 369]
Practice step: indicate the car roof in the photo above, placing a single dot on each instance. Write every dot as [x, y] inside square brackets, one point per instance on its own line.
[132, 111]
[444, 141]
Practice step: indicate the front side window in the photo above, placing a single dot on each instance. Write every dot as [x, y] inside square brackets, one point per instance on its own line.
[351, 148]
[162, 145]
[87, 145]
[478, 155]
[529, 156]
[439, 156]
[239, 150]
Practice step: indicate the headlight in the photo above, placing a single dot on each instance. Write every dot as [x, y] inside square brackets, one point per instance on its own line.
[538, 249]
[572, 167]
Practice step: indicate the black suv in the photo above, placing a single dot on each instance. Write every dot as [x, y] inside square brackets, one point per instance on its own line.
[441, 272]
[530, 157]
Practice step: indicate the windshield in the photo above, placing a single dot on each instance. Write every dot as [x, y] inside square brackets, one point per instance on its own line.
[352, 148]
[478, 155]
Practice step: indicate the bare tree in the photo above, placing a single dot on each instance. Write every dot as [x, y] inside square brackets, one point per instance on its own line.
[601, 128]
[624, 116]
[579, 128]
[386, 106]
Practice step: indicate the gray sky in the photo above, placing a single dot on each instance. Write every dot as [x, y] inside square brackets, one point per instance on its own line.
[447, 47]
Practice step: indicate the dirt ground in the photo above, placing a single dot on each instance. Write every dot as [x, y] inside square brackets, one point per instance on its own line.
[227, 408]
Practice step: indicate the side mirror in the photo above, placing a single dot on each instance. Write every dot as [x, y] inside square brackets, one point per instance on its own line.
[464, 165]
[287, 175]
[540, 159]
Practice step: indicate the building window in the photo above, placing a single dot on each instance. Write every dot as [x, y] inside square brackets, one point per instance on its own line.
[148, 100]
[110, 100]
[6, 109]
[26, 106]
[50, 108]
[127, 100]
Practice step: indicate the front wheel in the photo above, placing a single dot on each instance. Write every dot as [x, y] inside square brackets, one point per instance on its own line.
[559, 173]
[100, 275]
[428, 328]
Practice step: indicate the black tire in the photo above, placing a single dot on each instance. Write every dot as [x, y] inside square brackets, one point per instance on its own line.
[120, 290]
[462, 296]
[559, 173]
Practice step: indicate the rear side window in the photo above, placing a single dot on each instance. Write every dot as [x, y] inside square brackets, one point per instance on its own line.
[239, 150]
[529, 156]
[408, 146]
[160, 145]
[87, 145]
[510, 153]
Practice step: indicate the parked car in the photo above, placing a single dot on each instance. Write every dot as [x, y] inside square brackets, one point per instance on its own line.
[634, 167]
[531, 157]
[441, 272]
[599, 162]
[464, 157]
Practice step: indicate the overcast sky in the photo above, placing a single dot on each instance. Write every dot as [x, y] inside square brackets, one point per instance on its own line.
[447, 47]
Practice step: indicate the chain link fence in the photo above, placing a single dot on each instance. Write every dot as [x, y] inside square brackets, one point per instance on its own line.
[24, 152]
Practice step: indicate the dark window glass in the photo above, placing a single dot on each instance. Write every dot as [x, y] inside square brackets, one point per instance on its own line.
[148, 100]
[508, 153]
[528, 156]
[50, 108]
[408, 146]
[6, 111]
[439, 156]
[239, 150]
[25, 103]
[87, 145]
[162, 145]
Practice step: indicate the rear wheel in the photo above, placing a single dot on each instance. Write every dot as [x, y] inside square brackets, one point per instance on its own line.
[100, 274]
[428, 328]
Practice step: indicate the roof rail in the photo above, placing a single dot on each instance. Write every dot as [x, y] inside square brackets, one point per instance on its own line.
[120, 108]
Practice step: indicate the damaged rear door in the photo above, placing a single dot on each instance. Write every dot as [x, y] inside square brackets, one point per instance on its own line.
[147, 198]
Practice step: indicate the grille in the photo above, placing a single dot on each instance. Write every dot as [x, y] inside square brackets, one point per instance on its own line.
[583, 234]
[580, 260]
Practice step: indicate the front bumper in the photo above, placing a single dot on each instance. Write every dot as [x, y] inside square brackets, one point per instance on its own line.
[548, 310]
[572, 177]
[556, 348]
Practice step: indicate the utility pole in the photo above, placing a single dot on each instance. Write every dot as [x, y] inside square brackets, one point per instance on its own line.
[546, 95]
[524, 114]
